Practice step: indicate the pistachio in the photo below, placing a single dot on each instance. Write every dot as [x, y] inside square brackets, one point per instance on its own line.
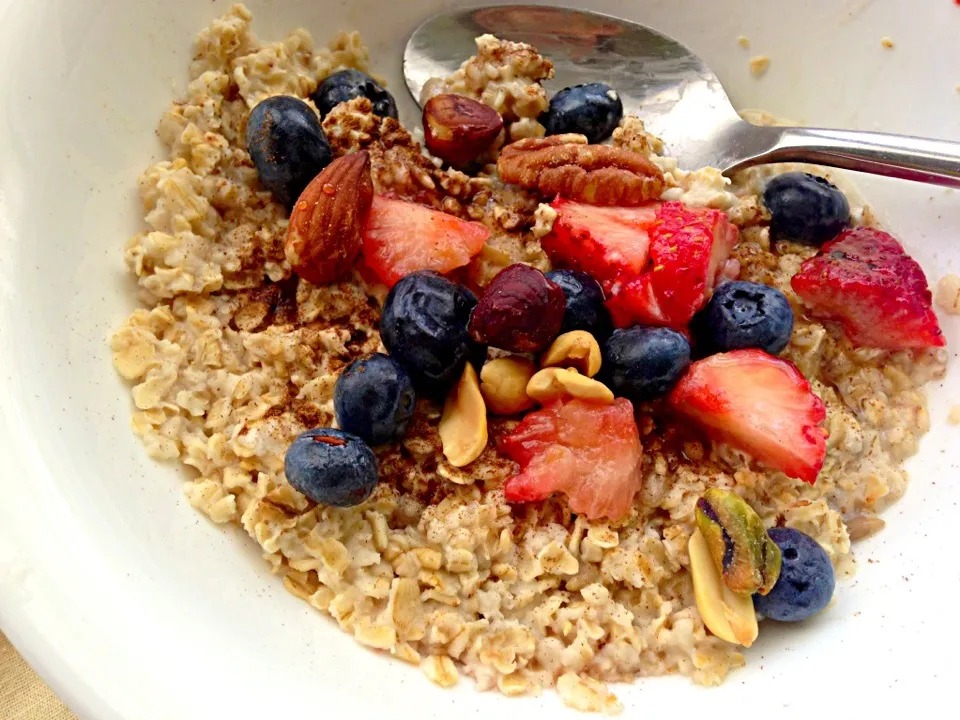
[503, 384]
[554, 383]
[463, 426]
[742, 551]
[575, 349]
[726, 614]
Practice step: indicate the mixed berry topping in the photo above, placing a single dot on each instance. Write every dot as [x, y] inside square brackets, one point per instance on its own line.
[424, 327]
[584, 303]
[806, 581]
[643, 363]
[571, 384]
[287, 146]
[349, 84]
[744, 315]
[760, 404]
[331, 467]
[806, 208]
[877, 293]
[374, 399]
[593, 110]
[589, 452]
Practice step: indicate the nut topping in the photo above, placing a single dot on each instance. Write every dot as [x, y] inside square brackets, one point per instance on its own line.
[745, 555]
[520, 311]
[596, 174]
[726, 614]
[463, 426]
[554, 383]
[503, 383]
[457, 129]
[323, 237]
[575, 349]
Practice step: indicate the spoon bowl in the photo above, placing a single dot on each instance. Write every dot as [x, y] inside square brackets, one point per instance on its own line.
[670, 88]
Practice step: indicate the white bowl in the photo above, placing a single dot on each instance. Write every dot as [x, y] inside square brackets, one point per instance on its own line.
[131, 605]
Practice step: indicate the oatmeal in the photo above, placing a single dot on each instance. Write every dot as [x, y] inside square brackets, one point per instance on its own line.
[233, 356]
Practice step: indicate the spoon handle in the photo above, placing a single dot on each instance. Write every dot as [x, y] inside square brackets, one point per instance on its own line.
[898, 156]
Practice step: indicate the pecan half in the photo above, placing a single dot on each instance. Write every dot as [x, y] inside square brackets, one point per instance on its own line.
[323, 237]
[566, 165]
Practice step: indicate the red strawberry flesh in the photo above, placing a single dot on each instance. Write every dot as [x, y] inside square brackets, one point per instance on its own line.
[864, 281]
[658, 263]
[402, 237]
[759, 404]
[606, 242]
[591, 453]
[688, 248]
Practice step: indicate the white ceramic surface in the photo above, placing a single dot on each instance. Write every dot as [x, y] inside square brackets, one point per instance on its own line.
[133, 606]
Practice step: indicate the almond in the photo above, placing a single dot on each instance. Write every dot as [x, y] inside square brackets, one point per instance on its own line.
[323, 237]
[457, 129]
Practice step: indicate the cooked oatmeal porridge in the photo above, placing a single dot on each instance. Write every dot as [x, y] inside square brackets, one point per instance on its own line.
[234, 354]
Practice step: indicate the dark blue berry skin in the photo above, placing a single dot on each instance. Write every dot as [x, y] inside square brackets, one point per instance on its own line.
[374, 399]
[349, 84]
[424, 327]
[585, 309]
[593, 110]
[331, 467]
[806, 580]
[287, 146]
[806, 208]
[642, 363]
[744, 315]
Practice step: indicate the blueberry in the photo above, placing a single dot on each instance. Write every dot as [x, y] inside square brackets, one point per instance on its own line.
[744, 315]
[593, 110]
[806, 208]
[642, 363]
[585, 308]
[287, 146]
[806, 580]
[374, 399]
[424, 327]
[349, 84]
[331, 467]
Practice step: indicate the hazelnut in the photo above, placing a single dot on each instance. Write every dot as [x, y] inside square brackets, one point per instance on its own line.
[457, 129]
[520, 311]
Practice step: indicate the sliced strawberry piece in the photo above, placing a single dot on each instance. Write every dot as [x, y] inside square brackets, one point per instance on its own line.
[591, 453]
[760, 404]
[688, 249]
[606, 242]
[402, 237]
[866, 282]
[635, 303]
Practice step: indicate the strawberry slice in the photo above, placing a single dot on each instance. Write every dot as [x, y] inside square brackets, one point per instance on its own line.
[402, 237]
[688, 249]
[606, 242]
[591, 453]
[866, 282]
[760, 404]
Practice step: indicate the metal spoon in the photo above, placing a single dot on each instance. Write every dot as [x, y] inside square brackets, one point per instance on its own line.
[671, 89]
